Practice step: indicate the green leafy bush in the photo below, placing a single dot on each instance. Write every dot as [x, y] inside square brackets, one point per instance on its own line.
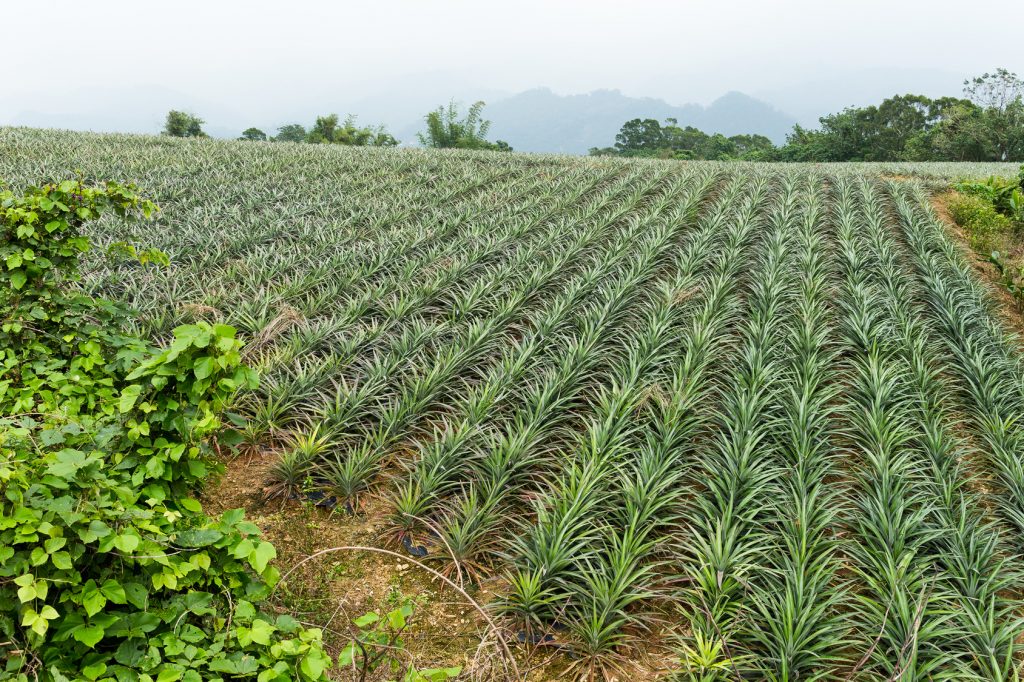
[1005, 195]
[977, 216]
[996, 191]
[108, 567]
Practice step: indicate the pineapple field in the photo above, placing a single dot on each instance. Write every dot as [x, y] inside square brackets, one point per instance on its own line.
[765, 415]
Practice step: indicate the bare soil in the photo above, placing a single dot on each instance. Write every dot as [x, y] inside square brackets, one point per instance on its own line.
[332, 589]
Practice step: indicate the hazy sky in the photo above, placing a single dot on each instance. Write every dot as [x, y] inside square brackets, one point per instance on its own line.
[265, 57]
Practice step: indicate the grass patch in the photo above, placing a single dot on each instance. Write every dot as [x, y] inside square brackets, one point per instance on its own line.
[996, 237]
[986, 228]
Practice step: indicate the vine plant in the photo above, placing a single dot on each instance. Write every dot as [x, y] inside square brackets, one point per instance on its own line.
[109, 569]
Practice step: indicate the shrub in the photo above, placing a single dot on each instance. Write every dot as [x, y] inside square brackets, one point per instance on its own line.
[254, 135]
[1006, 195]
[977, 215]
[108, 567]
[183, 124]
[997, 191]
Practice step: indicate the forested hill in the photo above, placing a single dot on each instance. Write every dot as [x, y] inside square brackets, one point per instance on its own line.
[539, 120]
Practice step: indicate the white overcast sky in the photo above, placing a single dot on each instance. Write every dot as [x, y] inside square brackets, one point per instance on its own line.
[257, 55]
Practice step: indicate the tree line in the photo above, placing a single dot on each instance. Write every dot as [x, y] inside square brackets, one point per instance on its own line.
[446, 128]
[650, 139]
[986, 124]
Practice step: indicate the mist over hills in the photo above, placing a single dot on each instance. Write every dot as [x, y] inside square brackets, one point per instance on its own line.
[540, 120]
[536, 120]
[533, 120]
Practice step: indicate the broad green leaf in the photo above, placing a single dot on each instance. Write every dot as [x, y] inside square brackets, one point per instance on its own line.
[262, 555]
[94, 671]
[366, 620]
[128, 397]
[347, 655]
[89, 635]
[62, 561]
[396, 619]
[26, 593]
[169, 674]
[203, 368]
[67, 463]
[126, 543]
[314, 663]
[113, 591]
[93, 599]
[243, 549]
[262, 631]
[200, 537]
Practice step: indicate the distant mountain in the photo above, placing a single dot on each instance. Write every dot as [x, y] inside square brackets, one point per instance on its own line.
[536, 120]
[539, 120]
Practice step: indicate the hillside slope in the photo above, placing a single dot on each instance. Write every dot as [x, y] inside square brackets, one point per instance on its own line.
[612, 393]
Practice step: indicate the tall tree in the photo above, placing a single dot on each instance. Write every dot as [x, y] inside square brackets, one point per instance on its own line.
[254, 134]
[986, 126]
[998, 90]
[752, 147]
[292, 132]
[897, 120]
[1001, 95]
[183, 124]
[447, 129]
[640, 135]
[323, 130]
[649, 138]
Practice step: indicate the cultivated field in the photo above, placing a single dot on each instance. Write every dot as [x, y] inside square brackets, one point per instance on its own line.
[767, 409]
